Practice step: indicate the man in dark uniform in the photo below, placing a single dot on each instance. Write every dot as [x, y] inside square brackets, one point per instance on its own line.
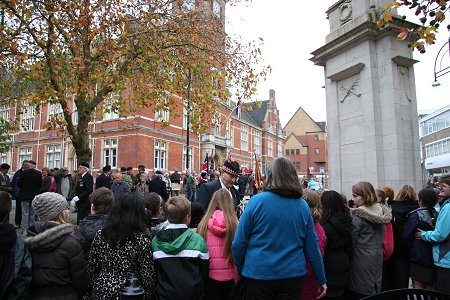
[104, 179]
[227, 180]
[158, 186]
[84, 187]
[30, 183]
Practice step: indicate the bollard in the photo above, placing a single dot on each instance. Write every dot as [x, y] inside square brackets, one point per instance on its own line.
[131, 289]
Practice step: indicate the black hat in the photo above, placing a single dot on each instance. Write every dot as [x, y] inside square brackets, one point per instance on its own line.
[158, 172]
[231, 167]
[123, 169]
[32, 162]
[130, 169]
[107, 168]
[5, 167]
[84, 164]
[141, 167]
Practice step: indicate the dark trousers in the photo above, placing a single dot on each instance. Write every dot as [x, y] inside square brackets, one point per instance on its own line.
[351, 295]
[218, 290]
[84, 209]
[18, 213]
[279, 289]
[443, 280]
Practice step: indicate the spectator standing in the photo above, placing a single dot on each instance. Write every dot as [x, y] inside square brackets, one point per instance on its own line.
[30, 183]
[121, 249]
[154, 210]
[180, 255]
[46, 181]
[440, 237]
[84, 187]
[65, 185]
[119, 187]
[126, 177]
[274, 238]
[15, 260]
[59, 267]
[398, 265]
[5, 183]
[218, 227]
[142, 187]
[175, 178]
[337, 224]
[157, 185]
[16, 193]
[309, 286]
[104, 179]
[368, 219]
[134, 179]
[102, 201]
[420, 252]
[190, 187]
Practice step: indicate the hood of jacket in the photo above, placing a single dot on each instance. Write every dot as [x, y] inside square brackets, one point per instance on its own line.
[173, 241]
[8, 237]
[89, 226]
[217, 224]
[46, 236]
[341, 223]
[376, 213]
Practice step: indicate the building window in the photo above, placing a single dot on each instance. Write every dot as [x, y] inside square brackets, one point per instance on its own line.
[160, 155]
[185, 116]
[53, 156]
[4, 112]
[287, 151]
[27, 117]
[227, 129]
[258, 149]
[110, 152]
[232, 137]
[270, 146]
[316, 137]
[3, 158]
[317, 150]
[297, 151]
[162, 115]
[190, 158]
[54, 112]
[25, 154]
[435, 124]
[279, 148]
[217, 8]
[110, 107]
[244, 137]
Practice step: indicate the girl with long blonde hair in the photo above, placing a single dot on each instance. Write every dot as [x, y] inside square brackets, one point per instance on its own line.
[218, 227]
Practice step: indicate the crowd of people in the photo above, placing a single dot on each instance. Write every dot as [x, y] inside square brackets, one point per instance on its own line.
[290, 242]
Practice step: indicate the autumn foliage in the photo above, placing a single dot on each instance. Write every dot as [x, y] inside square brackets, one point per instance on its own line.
[128, 54]
[430, 15]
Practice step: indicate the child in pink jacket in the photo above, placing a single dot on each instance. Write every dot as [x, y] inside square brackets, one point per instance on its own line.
[218, 227]
[310, 289]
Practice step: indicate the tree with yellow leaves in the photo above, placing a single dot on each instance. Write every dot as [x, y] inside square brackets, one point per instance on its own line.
[130, 54]
[430, 14]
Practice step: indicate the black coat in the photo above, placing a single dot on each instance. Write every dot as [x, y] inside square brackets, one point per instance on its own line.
[30, 183]
[158, 186]
[59, 266]
[338, 230]
[7, 242]
[400, 211]
[103, 181]
[84, 187]
[87, 229]
[204, 194]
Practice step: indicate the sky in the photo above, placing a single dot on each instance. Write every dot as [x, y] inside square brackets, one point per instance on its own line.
[291, 30]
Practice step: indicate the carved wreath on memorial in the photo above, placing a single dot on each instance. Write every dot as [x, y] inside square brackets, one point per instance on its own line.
[345, 11]
[350, 90]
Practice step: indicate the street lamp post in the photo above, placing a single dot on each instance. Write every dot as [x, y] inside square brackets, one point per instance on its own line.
[441, 71]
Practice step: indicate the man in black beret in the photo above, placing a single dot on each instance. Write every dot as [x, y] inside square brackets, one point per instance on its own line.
[104, 179]
[227, 180]
[84, 187]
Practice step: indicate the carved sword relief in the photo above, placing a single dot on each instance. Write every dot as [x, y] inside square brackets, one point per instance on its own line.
[350, 90]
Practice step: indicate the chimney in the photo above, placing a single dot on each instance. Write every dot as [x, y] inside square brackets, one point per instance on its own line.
[271, 95]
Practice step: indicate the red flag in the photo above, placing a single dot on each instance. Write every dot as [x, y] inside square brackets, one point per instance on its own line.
[205, 164]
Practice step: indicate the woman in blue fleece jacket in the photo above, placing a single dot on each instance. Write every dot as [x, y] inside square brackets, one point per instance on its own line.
[275, 234]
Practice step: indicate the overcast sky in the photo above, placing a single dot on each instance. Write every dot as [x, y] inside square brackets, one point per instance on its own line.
[291, 30]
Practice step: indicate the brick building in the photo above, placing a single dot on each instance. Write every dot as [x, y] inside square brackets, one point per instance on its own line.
[306, 145]
[140, 139]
